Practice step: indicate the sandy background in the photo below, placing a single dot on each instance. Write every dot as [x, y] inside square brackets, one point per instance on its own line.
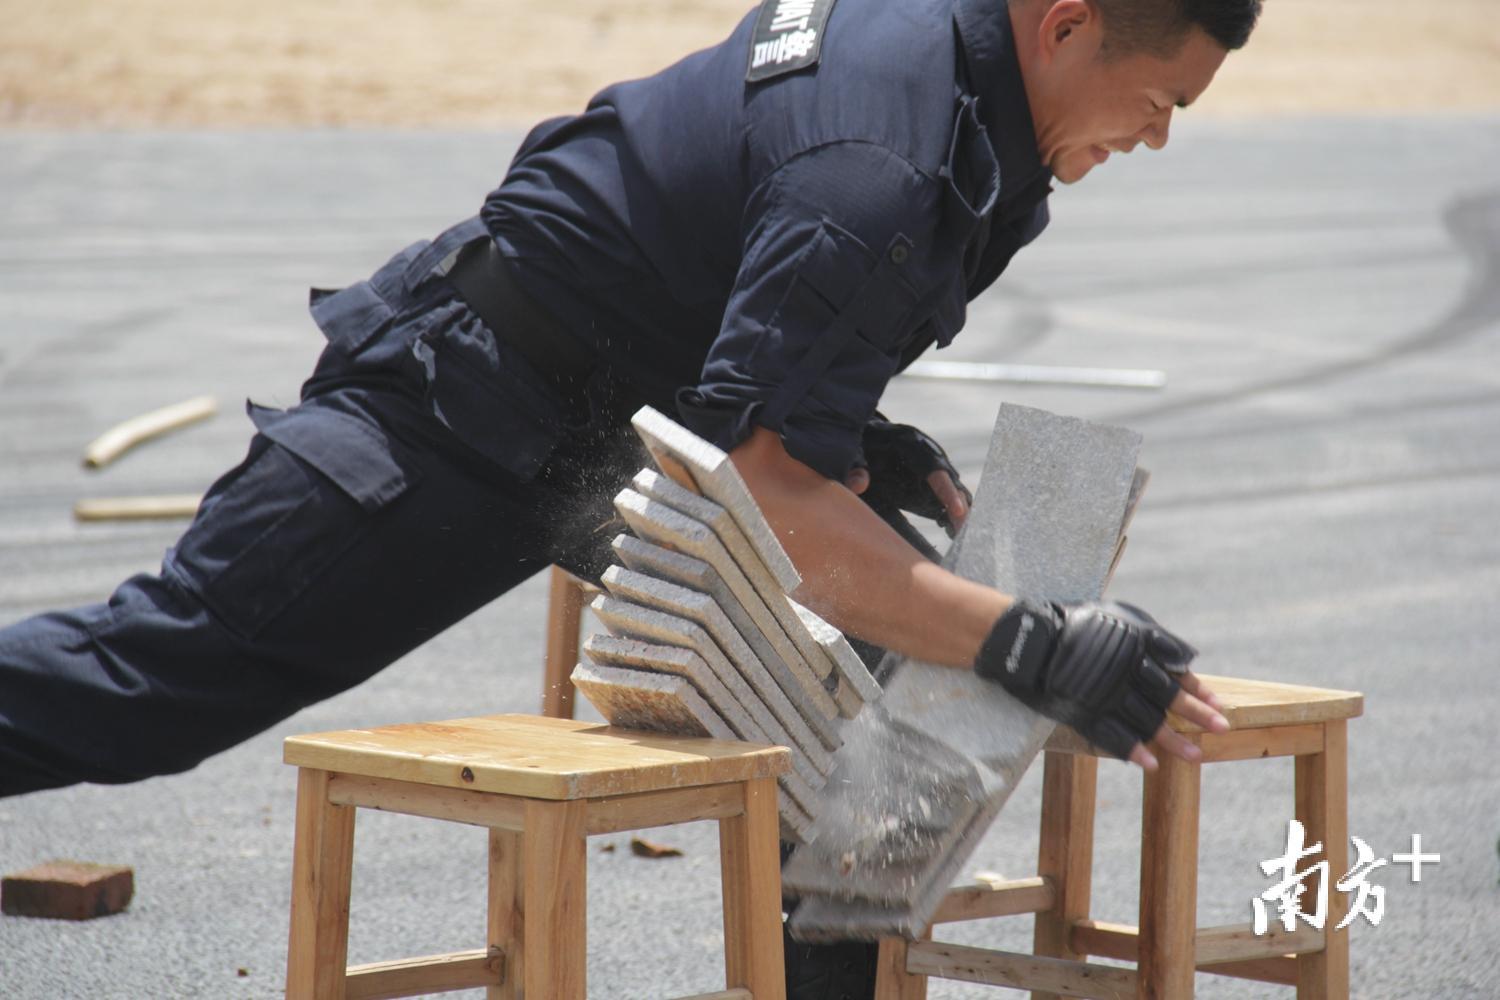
[465, 63]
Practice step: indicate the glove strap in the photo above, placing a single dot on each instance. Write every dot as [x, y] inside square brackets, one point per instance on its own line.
[1016, 653]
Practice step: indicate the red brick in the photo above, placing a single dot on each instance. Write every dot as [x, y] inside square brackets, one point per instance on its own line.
[67, 890]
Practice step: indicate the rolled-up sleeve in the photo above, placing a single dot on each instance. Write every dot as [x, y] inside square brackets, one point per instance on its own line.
[838, 250]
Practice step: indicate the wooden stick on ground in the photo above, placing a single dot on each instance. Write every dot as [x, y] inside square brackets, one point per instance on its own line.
[122, 437]
[137, 508]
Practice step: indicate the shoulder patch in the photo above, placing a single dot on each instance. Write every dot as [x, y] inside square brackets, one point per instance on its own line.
[788, 37]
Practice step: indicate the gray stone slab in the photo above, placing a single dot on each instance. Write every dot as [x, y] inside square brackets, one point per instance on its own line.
[771, 586]
[1045, 524]
[774, 690]
[635, 699]
[667, 564]
[750, 713]
[656, 486]
[634, 654]
[856, 686]
[658, 523]
[708, 469]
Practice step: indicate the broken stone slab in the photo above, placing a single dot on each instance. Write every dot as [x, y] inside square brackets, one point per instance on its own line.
[813, 728]
[771, 686]
[746, 708]
[656, 522]
[856, 686]
[1044, 525]
[706, 469]
[670, 703]
[688, 571]
[908, 803]
[655, 486]
[635, 654]
[703, 468]
[635, 699]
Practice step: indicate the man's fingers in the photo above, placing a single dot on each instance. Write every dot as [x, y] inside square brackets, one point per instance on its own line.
[1168, 740]
[858, 480]
[1143, 758]
[1199, 705]
[1193, 685]
[949, 495]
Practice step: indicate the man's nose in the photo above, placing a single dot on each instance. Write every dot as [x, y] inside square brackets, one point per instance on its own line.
[1155, 134]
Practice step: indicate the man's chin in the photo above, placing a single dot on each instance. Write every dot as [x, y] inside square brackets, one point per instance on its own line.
[1074, 165]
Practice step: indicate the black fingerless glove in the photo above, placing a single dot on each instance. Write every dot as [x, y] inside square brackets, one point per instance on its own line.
[900, 458]
[1106, 669]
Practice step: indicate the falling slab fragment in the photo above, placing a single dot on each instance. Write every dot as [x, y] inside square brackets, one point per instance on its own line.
[668, 703]
[1044, 525]
[688, 571]
[906, 808]
[856, 686]
[812, 726]
[749, 712]
[706, 469]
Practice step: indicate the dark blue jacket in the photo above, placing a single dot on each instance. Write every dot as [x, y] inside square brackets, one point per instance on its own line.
[772, 252]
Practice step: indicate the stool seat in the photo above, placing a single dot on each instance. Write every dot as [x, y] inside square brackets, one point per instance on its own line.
[1251, 704]
[541, 786]
[534, 757]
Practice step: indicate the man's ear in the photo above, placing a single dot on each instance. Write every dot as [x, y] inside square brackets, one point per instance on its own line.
[1069, 28]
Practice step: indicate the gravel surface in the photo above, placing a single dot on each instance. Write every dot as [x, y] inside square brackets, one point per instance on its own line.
[1322, 295]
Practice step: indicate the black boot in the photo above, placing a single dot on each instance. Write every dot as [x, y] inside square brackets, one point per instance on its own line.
[843, 971]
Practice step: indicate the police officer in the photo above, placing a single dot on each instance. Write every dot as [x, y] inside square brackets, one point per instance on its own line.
[757, 239]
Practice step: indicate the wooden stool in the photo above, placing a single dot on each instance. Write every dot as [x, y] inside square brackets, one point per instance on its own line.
[541, 786]
[566, 596]
[1267, 720]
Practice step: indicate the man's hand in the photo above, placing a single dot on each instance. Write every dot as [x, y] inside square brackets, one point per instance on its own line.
[1108, 670]
[905, 469]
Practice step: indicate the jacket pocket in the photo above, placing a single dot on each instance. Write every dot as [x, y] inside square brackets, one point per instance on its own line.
[487, 394]
[309, 489]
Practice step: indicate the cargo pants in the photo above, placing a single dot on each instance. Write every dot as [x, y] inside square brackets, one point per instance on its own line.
[427, 469]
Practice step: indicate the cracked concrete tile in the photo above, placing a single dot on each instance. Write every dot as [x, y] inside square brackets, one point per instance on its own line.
[746, 709]
[669, 703]
[688, 571]
[785, 694]
[701, 466]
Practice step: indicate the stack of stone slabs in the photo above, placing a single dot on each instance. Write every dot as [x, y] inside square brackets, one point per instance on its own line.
[922, 774]
[701, 599]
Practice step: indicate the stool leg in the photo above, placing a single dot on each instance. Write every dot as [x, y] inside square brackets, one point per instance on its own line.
[1323, 809]
[1066, 854]
[750, 863]
[506, 926]
[564, 615]
[1169, 880]
[555, 897]
[322, 857]
[892, 981]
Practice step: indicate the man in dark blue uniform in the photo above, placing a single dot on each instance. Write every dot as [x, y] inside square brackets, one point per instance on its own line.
[757, 239]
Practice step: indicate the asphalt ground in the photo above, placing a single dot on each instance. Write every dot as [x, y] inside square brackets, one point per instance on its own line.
[1324, 296]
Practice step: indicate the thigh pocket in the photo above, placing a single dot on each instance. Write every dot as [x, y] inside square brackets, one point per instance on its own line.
[308, 491]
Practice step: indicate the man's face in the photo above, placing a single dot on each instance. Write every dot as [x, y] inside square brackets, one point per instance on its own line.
[1090, 106]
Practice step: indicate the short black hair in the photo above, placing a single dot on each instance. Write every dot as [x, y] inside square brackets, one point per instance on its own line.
[1160, 26]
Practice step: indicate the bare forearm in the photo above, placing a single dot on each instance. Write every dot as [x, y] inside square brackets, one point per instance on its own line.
[857, 572]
